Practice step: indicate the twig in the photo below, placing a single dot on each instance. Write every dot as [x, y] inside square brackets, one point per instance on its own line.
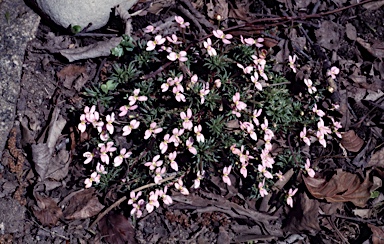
[193, 19]
[201, 18]
[117, 203]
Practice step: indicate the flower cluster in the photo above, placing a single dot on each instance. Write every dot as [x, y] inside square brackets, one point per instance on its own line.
[175, 123]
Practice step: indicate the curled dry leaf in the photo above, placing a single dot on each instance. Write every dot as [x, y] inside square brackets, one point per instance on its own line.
[82, 205]
[342, 187]
[116, 229]
[47, 211]
[351, 141]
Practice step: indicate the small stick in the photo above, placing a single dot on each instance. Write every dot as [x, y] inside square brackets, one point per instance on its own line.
[117, 203]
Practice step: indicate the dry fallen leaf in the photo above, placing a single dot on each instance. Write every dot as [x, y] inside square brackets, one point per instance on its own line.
[304, 215]
[73, 76]
[377, 159]
[351, 141]
[374, 5]
[82, 205]
[377, 234]
[328, 35]
[99, 49]
[116, 229]
[342, 187]
[376, 49]
[46, 211]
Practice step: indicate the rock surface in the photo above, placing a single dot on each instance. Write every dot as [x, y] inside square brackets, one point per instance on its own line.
[18, 25]
[80, 12]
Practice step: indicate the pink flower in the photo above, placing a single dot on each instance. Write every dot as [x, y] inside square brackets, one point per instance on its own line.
[322, 128]
[239, 104]
[119, 159]
[189, 144]
[220, 34]
[159, 174]
[254, 79]
[256, 113]
[319, 112]
[187, 123]
[149, 29]
[336, 125]
[173, 39]
[175, 137]
[164, 144]
[179, 96]
[151, 45]
[291, 63]
[196, 183]
[89, 157]
[243, 170]
[263, 192]
[203, 93]
[321, 138]
[125, 109]
[152, 129]
[182, 56]
[179, 186]
[95, 178]
[134, 197]
[290, 195]
[226, 172]
[104, 150]
[217, 83]
[208, 45]
[167, 200]
[246, 70]
[262, 169]
[154, 163]
[260, 68]
[136, 97]
[303, 136]
[310, 171]
[110, 119]
[333, 72]
[172, 157]
[199, 135]
[257, 42]
[194, 78]
[101, 169]
[280, 176]
[134, 124]
[83, 123]
[235, 150]
[311, 89]
[181, 22]
[153, 202]
[137, 208]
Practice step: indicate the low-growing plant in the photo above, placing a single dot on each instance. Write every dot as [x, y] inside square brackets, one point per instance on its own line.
[177, 113]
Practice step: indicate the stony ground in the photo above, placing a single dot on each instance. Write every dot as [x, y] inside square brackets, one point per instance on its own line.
[42, 143]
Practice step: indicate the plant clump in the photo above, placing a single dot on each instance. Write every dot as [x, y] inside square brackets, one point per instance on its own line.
[177, 113]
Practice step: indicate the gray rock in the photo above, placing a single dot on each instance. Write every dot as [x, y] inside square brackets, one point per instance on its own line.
[18, 25]
[80, 12]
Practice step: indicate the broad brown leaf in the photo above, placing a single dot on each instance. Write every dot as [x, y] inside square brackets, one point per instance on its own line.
[47, 211]
[377, 234]
[116, 229]
[342, 187]
[83, 205]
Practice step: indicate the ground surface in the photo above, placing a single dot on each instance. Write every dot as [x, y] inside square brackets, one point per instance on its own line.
[322, 33]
